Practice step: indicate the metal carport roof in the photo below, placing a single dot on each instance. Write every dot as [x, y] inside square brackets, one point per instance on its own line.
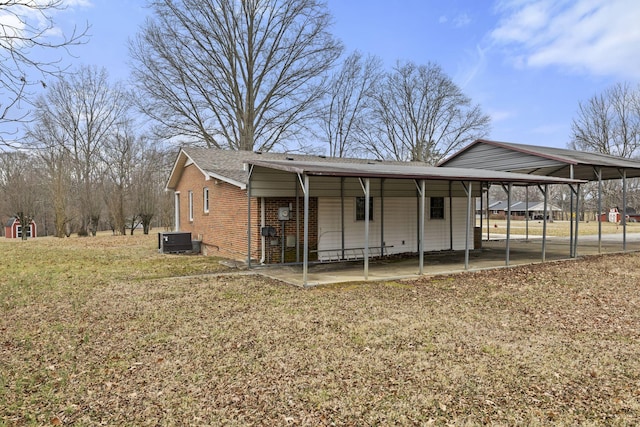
[420, 174]
[547, 161]
[381, 170]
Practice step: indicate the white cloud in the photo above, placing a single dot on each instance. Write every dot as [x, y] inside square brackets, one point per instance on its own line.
[443, 19]
[462, 20]
[599, 37]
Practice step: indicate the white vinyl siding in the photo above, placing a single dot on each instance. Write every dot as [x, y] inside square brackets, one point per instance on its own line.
[400, 226]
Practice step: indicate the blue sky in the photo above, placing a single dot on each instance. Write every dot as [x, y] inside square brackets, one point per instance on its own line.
[528, 63]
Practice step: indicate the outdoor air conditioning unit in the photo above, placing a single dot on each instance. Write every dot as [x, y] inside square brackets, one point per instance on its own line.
[175, 242]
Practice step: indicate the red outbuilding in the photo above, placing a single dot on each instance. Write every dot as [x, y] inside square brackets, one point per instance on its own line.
[13, 229]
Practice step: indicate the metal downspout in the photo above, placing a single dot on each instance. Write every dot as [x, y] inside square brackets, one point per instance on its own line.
[249, 216]
[263, 240]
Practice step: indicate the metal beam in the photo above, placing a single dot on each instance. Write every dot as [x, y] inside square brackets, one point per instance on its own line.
[468, 190]
[598, 173]
[624, 209]
[575, 237]
[571, 214]
[367, 188]
[508, 223]
[421, 225]
[305, 244]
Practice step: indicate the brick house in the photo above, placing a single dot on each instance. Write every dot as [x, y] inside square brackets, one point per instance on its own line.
[210, 188]
[356, 208]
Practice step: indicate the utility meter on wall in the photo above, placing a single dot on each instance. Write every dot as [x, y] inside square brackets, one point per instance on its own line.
[284, 214]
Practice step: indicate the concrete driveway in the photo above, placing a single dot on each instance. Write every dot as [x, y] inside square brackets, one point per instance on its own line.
[492, 255]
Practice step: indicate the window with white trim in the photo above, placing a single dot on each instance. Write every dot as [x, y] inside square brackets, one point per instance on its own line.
[190, 205]
[205, 199]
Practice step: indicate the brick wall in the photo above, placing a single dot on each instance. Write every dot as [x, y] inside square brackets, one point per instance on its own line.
[223, 229]
[274, 244]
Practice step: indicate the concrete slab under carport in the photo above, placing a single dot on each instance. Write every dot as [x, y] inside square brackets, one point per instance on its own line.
[491, 256]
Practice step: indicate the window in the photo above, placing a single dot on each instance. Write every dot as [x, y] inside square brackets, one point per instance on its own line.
[205, 199]
[190, 205]
[436, 209]
[360, 208]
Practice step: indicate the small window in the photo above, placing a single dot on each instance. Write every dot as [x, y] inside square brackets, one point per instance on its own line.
[205, 199]
[436, 210]
[190, 205]
[360, 205]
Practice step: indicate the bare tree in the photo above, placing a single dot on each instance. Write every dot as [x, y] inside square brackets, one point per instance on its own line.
[240, 75]
[26, 36]
[421, 115]
[79, 114]
[19, 187]
[149, 179]
[609, 123]
[348, 107]
[118, 156]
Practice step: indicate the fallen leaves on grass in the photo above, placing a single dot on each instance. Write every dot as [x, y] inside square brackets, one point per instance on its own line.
[535, 345]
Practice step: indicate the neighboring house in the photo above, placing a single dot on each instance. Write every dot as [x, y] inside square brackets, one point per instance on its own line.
[535, 210]
[211, 190]
[13, 229]
[519, 209]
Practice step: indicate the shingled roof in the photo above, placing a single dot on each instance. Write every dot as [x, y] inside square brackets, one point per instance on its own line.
[229, 165]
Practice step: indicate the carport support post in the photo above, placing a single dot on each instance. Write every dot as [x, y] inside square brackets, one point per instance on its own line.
[488, 213]
[544, 222]
[367, 188]
[508, 222]
[305, 244]
[575, 237]
[571, 215]
[468, 190]
[249, 217]
[598, 172]
[624, 209]
[421, 226]
[526, 213]
[342, 215]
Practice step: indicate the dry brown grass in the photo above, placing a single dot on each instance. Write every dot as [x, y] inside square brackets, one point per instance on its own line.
[556, 228]
[103, 336]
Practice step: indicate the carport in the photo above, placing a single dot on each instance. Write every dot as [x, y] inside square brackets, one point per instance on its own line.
[277, 178]
[553, 162]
